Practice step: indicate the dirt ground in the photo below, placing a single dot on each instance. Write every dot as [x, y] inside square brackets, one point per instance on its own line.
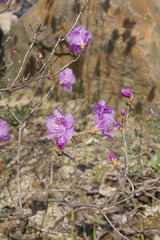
[45, 175]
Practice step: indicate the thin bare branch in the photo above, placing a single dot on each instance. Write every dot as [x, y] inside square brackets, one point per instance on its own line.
[8, 107]
[5, 180]
[18, 167]
[125, 149]
[113, 226]
[25, 57]
[5, 66]
[4, 10]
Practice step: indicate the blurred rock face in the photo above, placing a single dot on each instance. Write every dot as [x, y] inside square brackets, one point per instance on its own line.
[124, 51]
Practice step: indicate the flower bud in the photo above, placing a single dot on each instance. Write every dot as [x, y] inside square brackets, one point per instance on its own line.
[123, 113]
[113, 158]
[127, 93]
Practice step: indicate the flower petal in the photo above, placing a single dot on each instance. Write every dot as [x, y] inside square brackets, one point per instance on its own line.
[69, 133]
[50, 136]
[58, 114]
[61, 143]
[69, 120]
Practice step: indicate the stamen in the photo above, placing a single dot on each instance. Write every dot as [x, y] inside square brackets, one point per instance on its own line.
[94, 130]
[115, 163]
[82, 47]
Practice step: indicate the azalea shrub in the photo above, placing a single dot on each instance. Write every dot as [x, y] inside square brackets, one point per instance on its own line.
[60, 125]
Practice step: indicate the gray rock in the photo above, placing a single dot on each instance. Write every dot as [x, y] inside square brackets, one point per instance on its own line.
[124, 51]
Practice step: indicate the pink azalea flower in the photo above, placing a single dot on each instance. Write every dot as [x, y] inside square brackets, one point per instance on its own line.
[79, 39]
[127, 93]
[104, 125]
[104, 119]
[60, 125]
[67, 79]
[3, 1]
[4, 130]
[101, 109]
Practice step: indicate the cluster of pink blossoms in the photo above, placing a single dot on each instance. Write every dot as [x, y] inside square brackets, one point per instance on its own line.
[78, 39]
[60, 126]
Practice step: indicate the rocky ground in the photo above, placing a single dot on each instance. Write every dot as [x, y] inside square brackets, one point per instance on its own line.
[45, 175]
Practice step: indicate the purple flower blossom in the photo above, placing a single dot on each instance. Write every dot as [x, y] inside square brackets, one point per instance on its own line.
[123, 113]
[4, 130]
[79, 39]
[14, 49]
[113, 158]
[104, 125]
[101, 109]
[127, 93]
[67, 79]
[60, 125]
[104, 119]
[3, 1]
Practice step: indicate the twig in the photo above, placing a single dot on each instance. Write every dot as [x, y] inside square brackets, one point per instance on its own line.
[125, 149]
[30, 104]
[23, 85]
[150, 195]
[25, 57]
[6, 7]
[10, 110]
[87, 139]
[51, 173]
[75, 172]
[18, 167]
[140, 143]
[6, 41]
[8, 65]
[126, 179]
[113, 226]
[60, 39]
[5, 180]
[39, 102]
[77, 19]
[18, 153]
